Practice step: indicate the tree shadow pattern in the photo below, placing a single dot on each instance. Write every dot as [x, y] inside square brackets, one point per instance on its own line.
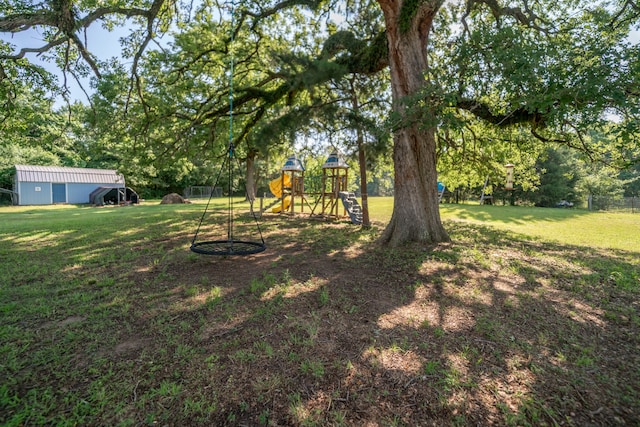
[323, 328]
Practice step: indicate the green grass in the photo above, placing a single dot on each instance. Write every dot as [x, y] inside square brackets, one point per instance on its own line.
[106, 318]
[571, 226]
[575, 227]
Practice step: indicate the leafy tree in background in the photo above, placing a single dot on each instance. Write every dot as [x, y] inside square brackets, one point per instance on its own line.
[65, 24]
[469, 154]
[559, 171]
[602, 186]
[555, 69]
[631, 179]
[539, 89]
[32, 130]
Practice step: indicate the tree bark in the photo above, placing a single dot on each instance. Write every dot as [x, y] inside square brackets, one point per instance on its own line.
[416, 213]
[364, 194]
[250, 176]
[362, 163]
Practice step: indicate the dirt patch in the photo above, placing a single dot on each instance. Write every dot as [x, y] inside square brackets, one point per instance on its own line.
[65, 322]
[132, 346]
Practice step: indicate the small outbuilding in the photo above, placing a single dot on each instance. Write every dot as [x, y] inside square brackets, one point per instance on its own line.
[45, 185]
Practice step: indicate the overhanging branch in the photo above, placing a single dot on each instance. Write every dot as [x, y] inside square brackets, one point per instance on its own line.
[515, 116]
[61, 16]
[524, 16]
[629, 11]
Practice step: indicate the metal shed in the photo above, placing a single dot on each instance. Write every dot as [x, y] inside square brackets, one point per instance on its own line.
[44, 185]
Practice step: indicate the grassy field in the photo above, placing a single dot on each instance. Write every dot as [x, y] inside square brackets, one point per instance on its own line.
[529, 317]
[571, 226]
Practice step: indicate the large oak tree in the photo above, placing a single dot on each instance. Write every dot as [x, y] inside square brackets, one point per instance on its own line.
[405, 47]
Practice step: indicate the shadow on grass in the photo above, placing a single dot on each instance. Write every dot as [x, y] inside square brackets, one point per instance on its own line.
[323, 328]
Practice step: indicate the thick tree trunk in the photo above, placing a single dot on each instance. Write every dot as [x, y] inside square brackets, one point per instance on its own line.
[355, 106]
[416, 214]
[251, 176]
[364, 195]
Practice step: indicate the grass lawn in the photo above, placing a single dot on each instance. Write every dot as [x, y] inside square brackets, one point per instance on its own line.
[529, 317]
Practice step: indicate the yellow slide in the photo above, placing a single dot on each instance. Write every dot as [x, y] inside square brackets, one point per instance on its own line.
[276, 185]
[276, 188]
[286, 202]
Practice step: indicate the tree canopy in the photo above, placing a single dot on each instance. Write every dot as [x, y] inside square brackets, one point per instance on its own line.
[473, 84]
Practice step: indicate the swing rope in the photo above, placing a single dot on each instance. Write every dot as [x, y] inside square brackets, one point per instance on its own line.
[230, 246]
[206, 209]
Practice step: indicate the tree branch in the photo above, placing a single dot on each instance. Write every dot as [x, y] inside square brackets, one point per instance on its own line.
[526, 17]
[264, 13]
[516, 116]
[88, 58]
[42, 49]
[634, 13]
[23, 21]
[61, 15]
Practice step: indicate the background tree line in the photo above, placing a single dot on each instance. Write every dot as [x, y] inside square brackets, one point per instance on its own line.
[503, 84]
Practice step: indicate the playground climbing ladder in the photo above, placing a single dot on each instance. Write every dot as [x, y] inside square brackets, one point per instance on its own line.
[352, 207]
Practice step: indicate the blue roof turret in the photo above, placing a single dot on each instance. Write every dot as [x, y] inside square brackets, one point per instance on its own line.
[293, 164]
[335, 161]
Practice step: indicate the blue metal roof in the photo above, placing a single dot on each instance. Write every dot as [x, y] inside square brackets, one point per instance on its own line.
[293, 164]
[335, 161]
[60, 174]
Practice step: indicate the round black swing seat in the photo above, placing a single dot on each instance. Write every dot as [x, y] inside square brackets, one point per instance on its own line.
[228, 247]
